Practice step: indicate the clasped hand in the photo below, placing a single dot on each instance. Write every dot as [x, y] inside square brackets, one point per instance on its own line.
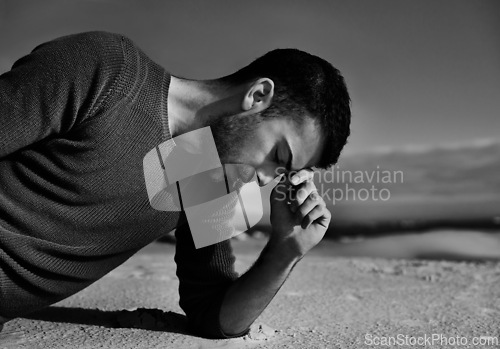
[299, 216]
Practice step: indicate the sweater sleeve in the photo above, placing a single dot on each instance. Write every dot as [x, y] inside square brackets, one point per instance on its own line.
[205, 275]
[58, 85]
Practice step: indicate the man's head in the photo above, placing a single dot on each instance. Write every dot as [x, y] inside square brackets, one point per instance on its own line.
[294, 104]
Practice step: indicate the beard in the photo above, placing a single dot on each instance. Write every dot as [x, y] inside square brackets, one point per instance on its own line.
[231, 133]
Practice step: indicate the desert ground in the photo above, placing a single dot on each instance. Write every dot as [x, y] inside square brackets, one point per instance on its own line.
[333, 299]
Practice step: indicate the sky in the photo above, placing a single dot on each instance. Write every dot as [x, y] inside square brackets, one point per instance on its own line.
[419, 73]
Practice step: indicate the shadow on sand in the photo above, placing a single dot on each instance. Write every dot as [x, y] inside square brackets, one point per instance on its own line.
[142, 318]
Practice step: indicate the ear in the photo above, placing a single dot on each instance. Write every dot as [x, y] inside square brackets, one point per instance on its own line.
[258, 97]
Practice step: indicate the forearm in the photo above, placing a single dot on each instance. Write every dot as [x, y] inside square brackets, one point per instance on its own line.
[298, 224]
[249, 295]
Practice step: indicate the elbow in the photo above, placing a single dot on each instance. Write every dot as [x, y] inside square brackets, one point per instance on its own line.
[205, 322]
[213, 330]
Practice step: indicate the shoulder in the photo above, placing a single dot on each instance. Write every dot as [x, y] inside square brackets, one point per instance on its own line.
[97, 55]
[98, 64]
[88, 44]
[85, 38]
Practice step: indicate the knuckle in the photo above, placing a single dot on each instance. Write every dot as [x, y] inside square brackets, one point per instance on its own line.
[302, 194]
[318, 200]
[313, 200]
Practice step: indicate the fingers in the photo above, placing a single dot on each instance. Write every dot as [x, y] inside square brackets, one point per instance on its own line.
[302, 192]
[319, 214]
[302, 176]
[312, 208]
[310, 203]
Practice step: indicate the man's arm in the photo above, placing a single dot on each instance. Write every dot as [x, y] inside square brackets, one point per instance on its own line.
[248, 296]
[217, 303]
[296, 228]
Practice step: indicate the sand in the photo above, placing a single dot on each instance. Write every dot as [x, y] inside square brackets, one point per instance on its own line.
[327, 302]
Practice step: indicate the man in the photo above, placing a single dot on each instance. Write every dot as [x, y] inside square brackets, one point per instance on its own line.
[77, 117]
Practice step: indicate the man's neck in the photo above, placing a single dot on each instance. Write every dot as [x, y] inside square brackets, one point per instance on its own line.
[193, 104]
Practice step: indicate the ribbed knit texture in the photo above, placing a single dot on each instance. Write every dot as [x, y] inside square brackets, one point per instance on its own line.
[77, 116]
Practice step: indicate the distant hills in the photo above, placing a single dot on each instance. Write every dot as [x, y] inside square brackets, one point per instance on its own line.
[415, 187]
[469, 171]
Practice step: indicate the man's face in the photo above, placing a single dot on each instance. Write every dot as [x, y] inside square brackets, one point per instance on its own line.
[272, 146]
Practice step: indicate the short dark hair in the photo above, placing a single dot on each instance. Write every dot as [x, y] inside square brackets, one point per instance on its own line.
[304, 83]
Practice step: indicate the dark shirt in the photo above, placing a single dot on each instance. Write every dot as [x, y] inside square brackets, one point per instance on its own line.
[77, 117]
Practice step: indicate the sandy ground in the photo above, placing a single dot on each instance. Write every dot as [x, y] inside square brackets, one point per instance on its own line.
[327, 302]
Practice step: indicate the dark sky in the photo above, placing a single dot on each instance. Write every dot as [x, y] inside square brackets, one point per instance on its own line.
[419, 72]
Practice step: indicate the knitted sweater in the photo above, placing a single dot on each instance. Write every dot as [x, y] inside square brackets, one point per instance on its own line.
[77, 116]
